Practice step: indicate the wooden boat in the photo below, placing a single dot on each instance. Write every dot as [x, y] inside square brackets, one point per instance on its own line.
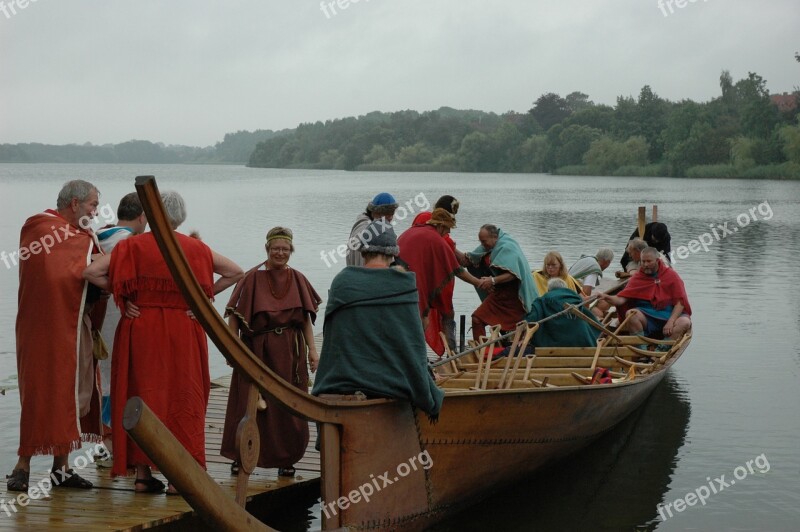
[384, 465]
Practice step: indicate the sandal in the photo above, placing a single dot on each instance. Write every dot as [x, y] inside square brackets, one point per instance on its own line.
[235, 467]
[69, 479]
[151, 485]
[286, 471]
[18, 480]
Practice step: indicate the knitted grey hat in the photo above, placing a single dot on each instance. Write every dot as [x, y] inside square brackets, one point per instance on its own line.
[379, 237]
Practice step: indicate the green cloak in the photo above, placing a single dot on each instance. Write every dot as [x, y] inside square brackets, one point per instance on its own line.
[566, 330]
[373, 339]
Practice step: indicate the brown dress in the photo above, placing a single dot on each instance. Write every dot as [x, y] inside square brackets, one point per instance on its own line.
[272, 306]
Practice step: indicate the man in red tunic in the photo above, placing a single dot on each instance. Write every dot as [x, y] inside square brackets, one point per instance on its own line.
[57, 389]
[657, 296]
[433, 261]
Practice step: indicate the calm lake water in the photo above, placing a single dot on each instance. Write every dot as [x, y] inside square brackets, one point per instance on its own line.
[733, 398]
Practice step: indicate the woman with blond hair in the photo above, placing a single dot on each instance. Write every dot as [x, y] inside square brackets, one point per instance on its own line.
[272, 309]
[552, 267]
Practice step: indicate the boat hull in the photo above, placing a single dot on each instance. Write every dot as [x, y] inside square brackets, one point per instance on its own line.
[482, 441]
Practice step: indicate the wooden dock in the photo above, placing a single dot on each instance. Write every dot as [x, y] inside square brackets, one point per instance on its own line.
[113, 505]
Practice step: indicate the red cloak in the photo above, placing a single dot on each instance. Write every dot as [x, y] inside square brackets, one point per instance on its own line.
[661, 290]
[433, 261]
[52, 295]
[161, 356]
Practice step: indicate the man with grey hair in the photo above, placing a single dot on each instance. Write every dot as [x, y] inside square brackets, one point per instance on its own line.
[381, 207]
[634, 251]
[59, 399]
[589, 269]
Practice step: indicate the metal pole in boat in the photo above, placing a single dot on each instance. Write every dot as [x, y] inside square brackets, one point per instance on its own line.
[463, 333]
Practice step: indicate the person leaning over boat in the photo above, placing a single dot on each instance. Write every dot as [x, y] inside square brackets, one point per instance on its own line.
[273, 309]
[55, 367]
[429, 256]
[160, 350]
[381, 207]
[657, 296]
[656, 235]
[131, 220]
[508, 292]
[566, 330]
[634, 252]
[374, 342]
[553, 267]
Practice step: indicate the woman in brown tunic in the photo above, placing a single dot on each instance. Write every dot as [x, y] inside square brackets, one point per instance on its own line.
[273, 309]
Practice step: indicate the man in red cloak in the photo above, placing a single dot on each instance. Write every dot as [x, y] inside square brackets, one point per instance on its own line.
[57, 387]
[434, 262]
[657, 297]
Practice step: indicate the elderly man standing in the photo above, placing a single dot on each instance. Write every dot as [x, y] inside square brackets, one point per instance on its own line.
[381, 207]
[59, 399]
[429, 255]
[508, 292]
[657, 297]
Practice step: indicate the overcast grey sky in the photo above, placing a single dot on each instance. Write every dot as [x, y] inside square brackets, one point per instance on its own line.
[188, 71]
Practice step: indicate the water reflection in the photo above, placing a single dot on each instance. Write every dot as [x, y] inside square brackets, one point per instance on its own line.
[615, 484]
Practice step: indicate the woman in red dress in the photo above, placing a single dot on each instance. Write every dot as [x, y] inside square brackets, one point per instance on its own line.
[160, 350]
[273, 309]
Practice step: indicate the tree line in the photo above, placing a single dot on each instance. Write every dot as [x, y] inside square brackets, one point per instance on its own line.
[740, 133]
[234, 148]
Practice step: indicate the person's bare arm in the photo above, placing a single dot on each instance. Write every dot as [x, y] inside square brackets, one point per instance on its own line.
[97, 273]
[313, 356]
[229, 272]
[464, 275]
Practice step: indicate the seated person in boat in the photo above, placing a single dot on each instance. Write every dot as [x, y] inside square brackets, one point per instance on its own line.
[589, 270]
[553, 268]
[566, 330]
[373, 337]
[657, 296]
[508, 292]
[657, 236]
[429, 256]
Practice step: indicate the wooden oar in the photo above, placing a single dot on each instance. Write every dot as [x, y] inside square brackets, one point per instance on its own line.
[521, 352]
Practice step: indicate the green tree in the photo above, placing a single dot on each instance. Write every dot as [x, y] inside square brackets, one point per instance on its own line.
[419, 153]
[575, 142]
[378, 155]
[550, 109]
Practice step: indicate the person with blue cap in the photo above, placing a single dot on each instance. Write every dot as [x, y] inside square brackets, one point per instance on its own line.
[381, 207]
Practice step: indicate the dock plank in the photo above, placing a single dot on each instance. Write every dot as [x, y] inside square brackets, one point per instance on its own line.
[113, 505]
